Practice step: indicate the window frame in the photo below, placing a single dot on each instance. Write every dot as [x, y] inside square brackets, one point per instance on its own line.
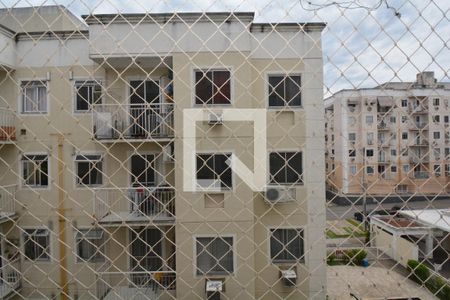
[23, 180]
[24, 236]
[91, 83]
[212, 236]
[212, 188]
[206, 70]
[42, 83]
[268, 86]
[100, 248]
[299, 182]
[155, 165]
[302, 258]
[100, 171]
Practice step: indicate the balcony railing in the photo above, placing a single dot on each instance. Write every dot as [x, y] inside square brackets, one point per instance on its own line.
[133, 121]
[419, 175]
[419, 159]
[11, 278]
[418, 126]
[421, 142]
[124, 204]
[135, 285]
[7, 127]
[7, 201]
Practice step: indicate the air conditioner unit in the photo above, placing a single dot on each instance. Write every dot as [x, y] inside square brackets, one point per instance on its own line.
[280, 194]
[288, 277]
[213, 289]
[215, 119]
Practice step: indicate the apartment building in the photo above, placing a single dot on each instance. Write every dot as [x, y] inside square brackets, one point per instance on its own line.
[393, 139]
[91, 156]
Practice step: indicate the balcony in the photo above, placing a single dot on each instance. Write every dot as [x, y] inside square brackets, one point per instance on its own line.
[7, 203]
[418, 126]
[419, 159]
[419, 175]
[114, 206]
[420, 143]
[11, 280]
[418, 110]
[128, 122]
[382, 126]
[135, 285]
[7, 127]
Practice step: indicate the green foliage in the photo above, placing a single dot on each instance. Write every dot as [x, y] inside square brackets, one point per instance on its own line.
[436, 285]
[420, 273]
[355, 256]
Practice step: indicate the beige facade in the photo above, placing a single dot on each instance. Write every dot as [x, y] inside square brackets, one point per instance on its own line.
[389, 140]
[147, 228]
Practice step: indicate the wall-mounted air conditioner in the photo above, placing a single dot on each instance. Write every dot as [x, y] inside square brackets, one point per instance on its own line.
[288, 277]
[280, 194]
[215, 119]
[213, 289]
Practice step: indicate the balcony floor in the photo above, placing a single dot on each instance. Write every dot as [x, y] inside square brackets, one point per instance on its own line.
[7, 216]
[116, 219]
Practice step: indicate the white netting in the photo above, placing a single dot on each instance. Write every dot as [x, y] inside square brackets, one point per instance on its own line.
[224, 149]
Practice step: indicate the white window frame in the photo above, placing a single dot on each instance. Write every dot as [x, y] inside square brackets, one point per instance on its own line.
[267, 87]
[212, 188]
[34, 84]
[80, 236]
[101, 159]
[89, 83]
[211, 236]
[302, 259]
[23, 239]
[22, 169]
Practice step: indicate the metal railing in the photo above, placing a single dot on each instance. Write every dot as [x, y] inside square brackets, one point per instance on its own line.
[7, 127]
[133, 121]
[419, 175]
[11, 277]
[8, 199]
[139, 201]
[133, 285]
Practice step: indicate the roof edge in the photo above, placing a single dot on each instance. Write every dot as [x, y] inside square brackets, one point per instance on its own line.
[189, 17]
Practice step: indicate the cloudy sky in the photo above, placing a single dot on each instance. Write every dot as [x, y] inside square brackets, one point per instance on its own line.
[367, 42]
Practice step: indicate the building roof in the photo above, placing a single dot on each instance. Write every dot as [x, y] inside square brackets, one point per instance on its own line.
[438, 218]
[40, 19]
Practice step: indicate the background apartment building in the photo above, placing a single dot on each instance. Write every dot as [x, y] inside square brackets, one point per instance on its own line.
[393, 139]
[92, 161]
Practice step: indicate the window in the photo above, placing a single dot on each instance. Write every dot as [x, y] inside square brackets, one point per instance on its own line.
[404, 135]
[88, 93]
[212, 87]
[89, 170]
[369, 170]
[352, 137]
[437, 170]
[404, 103]
[353, 169]
[369, 152]
[286, 168]
[36, 244]
[405, 168]
[285, 91]
[34, 97]
[35, 170]
[90, 245]
[369, 119]
[393, 152]
[404, 152]
[436, 101]
[392, 119]
[352, 153]
[286, 245]
[393, 169]
[143, 170]
[445, 119]
[437, 152]
[436, 118]
[404, 119]
[447, 152]
[447, 169]
[436, 135]
[214, 255]
[213, 171]
[370, 138]
[351, 121]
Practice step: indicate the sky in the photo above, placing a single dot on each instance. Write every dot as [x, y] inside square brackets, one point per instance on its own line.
[366, 42]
